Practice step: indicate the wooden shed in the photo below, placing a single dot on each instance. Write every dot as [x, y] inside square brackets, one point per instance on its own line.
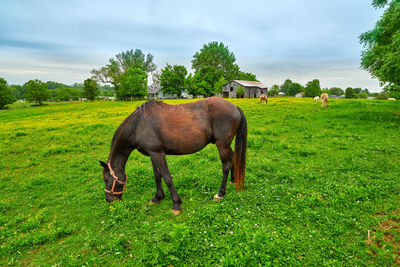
[251, 89]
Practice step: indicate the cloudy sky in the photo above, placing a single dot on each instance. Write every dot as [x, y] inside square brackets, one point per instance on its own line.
[301, 40]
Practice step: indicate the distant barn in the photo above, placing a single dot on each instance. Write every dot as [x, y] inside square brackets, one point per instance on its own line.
[251, 89]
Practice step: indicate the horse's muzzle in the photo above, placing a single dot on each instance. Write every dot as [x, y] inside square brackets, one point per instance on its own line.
[110, 198]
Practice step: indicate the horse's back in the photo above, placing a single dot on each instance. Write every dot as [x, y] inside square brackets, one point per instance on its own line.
[188, 128]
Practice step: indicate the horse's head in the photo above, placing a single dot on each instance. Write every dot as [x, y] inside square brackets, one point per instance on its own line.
[114, 187]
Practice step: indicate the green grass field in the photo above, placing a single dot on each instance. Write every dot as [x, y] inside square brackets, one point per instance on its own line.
[317, 182]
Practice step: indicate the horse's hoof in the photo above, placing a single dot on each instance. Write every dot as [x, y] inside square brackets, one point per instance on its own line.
[218, 198]
[176, 212]
[151, 203]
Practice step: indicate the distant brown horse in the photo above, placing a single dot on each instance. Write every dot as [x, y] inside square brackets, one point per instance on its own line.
[157, 129]
[263, 98]
[324, 100]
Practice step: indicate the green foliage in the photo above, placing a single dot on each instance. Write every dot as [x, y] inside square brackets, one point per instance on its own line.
[240, 91]
[349, 93]
[382, 95]
[246, 76]
[216, 57]
[379, 3]
[295, 88]
[214, 61]
[37, 91]
[115, 72]
[317, 180]
[274, 90]
[285, 86]
[51, 85]
[392, 91]
[197, 85]
[133, 85]
[18, 91]
[173, 79]
[326, 91]
[218, 85]
[90, 89]
[68, 93]
[362, 95]
[312, 88]
[6, 95]
[381, 57]
[336, 91]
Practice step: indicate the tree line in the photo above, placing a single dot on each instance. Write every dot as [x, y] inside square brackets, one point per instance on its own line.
[213, 66]
[313, 88]
[126, 76]
[39, 92]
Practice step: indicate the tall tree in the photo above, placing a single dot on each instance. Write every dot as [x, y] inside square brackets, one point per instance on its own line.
[196, 86]
[37, 91]
[247, 76]
[18, 91]
[274, 90]
[349, 92]
[295, 88]
[313, 88]
[173, 79]
[218, 85]
[133, 84]
[68, 93]
[90, 89]
[336, 91]
[381, 57]
[114, 72]
[6, 96]
[214, 61]
[285, 86]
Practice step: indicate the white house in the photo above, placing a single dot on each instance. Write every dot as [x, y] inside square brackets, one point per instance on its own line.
[155, 92]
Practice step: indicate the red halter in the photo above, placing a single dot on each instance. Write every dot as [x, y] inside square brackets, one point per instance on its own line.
[114, 182]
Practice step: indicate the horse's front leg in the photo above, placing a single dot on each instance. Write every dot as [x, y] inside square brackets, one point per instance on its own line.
[157, 176]
[160, 164]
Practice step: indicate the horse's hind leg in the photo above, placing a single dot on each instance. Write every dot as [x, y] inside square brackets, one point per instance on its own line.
[232, 166]
[160, 193]
[159, 162]
[225, 152]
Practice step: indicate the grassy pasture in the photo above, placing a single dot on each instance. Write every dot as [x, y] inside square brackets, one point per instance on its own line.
[317, 182]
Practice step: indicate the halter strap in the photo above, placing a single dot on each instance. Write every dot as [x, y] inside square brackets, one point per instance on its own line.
[116, 180]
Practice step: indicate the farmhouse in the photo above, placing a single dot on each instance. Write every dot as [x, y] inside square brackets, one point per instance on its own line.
[299, 94]
[155, 92]
[251, 89]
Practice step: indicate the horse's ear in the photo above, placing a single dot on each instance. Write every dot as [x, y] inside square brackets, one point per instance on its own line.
[102, 163]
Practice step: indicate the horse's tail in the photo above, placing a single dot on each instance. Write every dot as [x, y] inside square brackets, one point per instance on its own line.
[239, 156]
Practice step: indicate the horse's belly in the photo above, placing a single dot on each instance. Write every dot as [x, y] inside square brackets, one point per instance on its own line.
[185, 140]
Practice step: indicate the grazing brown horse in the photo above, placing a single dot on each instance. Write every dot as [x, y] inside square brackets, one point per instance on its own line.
[157, 129]
[324, 100]
[263, 98]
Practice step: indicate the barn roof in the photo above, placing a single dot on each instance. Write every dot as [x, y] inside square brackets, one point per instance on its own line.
[251, 84]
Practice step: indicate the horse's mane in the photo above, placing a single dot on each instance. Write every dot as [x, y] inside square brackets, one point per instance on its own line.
[143, 110]
[150, 107]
